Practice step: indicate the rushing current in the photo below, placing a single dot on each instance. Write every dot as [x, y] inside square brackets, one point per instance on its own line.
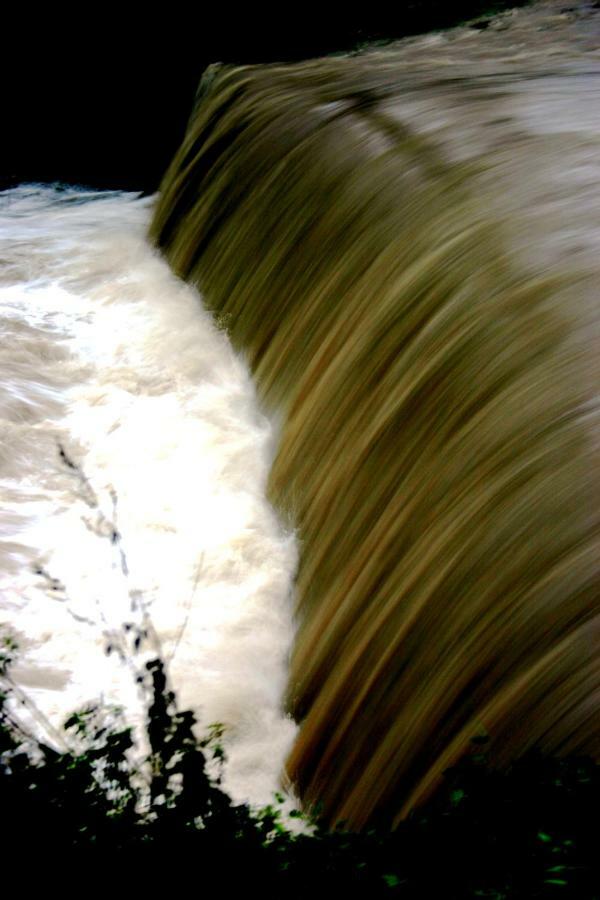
[405, 243]
[123, 408]
[403, 248]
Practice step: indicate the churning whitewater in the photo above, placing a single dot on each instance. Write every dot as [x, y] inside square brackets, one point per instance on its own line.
[134, 460]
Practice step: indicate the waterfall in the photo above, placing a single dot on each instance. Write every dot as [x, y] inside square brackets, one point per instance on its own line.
[410, 270]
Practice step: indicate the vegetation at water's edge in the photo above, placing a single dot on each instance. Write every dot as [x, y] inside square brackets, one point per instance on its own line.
[528, 832]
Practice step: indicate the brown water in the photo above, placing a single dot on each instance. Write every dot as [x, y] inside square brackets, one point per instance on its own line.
[405, 244]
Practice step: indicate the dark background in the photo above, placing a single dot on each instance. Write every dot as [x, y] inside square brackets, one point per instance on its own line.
[105, 103]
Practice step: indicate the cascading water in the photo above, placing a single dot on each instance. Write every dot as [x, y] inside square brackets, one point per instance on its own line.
[404, 247]
[436, 380]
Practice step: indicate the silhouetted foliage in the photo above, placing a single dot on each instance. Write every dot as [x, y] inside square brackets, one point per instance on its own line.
[160, 817]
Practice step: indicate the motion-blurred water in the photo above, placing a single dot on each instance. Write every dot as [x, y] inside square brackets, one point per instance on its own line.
[405, 243]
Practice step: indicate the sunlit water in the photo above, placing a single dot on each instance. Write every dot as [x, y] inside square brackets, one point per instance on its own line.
[106, 354]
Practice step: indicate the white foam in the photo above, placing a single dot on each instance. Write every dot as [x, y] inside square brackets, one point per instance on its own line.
[105, 353]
